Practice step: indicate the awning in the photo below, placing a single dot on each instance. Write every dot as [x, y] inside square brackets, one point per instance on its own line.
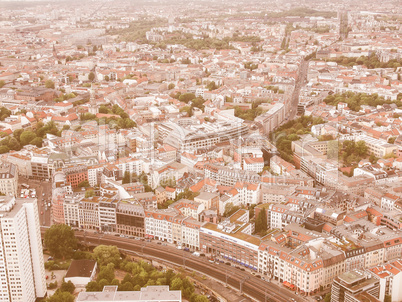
[288, 284]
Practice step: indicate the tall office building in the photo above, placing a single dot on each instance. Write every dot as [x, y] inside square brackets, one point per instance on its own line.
[22, 271]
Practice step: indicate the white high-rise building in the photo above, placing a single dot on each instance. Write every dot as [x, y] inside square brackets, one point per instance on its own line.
[22, 271]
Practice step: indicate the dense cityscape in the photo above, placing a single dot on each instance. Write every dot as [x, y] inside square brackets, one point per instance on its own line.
[200, 151]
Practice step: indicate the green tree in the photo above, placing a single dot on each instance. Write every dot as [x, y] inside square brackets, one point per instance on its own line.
[212, 86]
[49, 84]
[93, 287]
[60, 296]
[230, 209]
[17, 133]
[373, 159]
[171, 86]
[106, 272]
[126, 286]
[186, 97]
[391, 140]
[126, 177]
[261, 221]
[4, 149]
[37, 141]
[176, 284]
[67, 287]
[13, 144]
[60, 241]
[107, 79]
[2, 83]
[91, 76]
[106, 254]
[387, 298]
[84, 184]
[27, 137]
[89, 193]
[198, 298]
[4, 113]
[327, 297]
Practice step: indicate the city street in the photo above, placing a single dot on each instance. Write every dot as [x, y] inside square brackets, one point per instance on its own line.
[40, 187]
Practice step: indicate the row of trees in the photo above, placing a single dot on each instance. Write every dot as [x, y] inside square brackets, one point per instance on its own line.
[290, 131]
[191, 100]
[4, 113]
[113, 122]
[64, 293]
[356, 100]
[187, 194]
[249, 114]
[21, 137]
[353, 152]
[370, 62]
[65, 97]
[133, 177]
[138, 274]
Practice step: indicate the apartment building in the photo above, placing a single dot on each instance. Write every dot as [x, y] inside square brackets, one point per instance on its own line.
[275, 215]
[9, 179]
[22, 272]
[76, 174]
[188, 208]
[227, 176]
[293, 267]
[158, 224]
[390, 277]
[209, 200]
[388, 201]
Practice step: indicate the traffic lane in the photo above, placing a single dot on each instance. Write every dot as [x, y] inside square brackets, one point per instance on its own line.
[274, 292]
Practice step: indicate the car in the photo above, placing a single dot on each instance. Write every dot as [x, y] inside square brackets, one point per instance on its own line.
[227, 263]
[159, 243]
[258, 276]
[117, 235]
[50, 258]
[164, 244]
[202, 255]
[178, 247]
[186, 249]
[242, 269]
[212, 261]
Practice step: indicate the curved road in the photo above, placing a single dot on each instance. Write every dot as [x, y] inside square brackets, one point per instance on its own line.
[251, 285]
